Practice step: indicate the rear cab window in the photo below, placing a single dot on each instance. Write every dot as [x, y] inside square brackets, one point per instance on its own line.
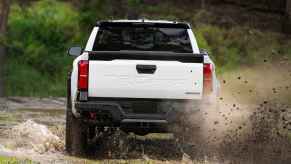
[157, 37]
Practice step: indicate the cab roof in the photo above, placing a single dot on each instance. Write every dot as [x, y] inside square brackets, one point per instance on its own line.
[144, 22]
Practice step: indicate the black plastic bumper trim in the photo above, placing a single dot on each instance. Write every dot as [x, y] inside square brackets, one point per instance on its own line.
[143, 55]
[115, 110]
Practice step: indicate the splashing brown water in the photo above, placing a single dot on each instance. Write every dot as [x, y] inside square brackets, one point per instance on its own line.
[33, 141]
[34, 137]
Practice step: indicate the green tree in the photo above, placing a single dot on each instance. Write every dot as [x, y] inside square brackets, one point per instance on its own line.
[39, 37]
[4, 12]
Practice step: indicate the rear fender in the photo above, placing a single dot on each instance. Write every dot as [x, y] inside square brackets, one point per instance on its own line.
[74, 82]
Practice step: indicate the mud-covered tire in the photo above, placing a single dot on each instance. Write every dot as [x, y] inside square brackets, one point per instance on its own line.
[79, 137]
[68, 138]
[76, 131]
[76, 136]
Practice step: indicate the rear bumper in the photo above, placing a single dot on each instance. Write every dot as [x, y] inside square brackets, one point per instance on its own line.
[112, 112]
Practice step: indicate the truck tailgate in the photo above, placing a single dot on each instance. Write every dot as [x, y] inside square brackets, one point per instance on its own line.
[153, 79]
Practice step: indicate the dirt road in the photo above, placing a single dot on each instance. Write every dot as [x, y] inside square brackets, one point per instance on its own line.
[234, 134]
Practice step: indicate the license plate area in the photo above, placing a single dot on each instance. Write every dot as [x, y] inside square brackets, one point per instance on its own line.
[145, 107]
[141, 107]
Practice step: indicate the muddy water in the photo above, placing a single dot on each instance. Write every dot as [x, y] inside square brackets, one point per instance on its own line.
[28, 133]
[10, 118]
[49, 117]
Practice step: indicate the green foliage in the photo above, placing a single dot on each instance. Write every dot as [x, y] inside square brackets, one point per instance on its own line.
[38, 39]
[134, 3]
[25, 80]
[10, 160]
[237, 46]
[92, 10]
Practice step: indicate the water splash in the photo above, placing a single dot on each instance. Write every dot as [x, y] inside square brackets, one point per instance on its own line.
[34, 138]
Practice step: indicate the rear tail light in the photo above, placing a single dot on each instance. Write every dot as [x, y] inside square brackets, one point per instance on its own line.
[207, 83]
[83, 75]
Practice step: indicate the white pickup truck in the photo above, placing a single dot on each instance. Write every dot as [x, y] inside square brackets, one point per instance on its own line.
[135, 75]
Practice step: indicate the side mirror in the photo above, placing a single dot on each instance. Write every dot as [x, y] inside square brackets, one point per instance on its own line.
[75, 51]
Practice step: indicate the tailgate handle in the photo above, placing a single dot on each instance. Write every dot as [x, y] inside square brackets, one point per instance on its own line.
[146, 69]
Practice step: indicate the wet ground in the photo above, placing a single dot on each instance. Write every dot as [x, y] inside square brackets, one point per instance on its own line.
[233, 134]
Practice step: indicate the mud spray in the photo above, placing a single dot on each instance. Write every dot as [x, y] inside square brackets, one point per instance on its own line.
[32, 140]
[251, 121]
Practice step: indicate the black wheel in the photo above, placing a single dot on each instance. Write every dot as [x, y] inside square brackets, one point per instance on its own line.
[76, 131]
[76, 135]
[68, 140]
[79, 137]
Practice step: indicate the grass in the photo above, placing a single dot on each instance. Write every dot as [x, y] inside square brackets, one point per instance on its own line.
[24, 80]
[12, 160]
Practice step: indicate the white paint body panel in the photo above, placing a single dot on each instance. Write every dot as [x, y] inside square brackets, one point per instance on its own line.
[193, 41]
[91, 39]
[120, 79]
